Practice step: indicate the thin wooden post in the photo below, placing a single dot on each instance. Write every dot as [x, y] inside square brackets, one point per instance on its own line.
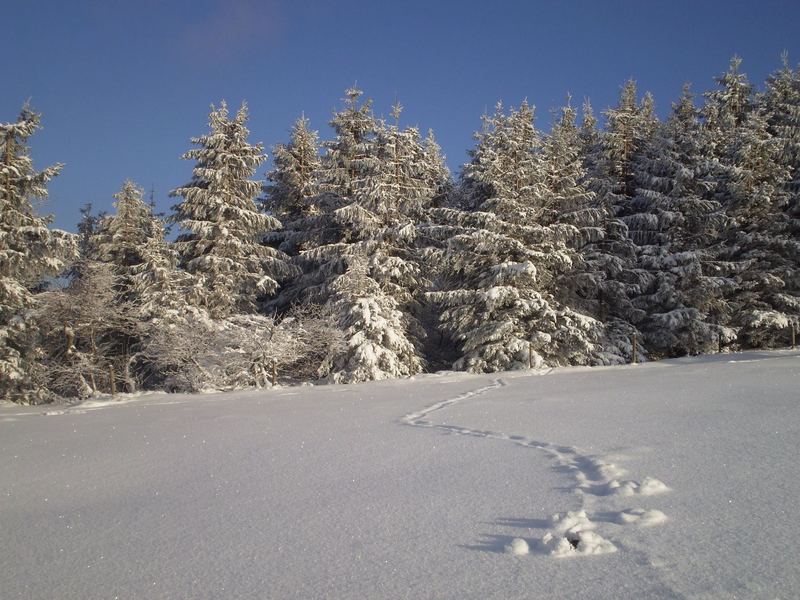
[633, 353]
[274, 373]
[794, 336]
[530, 355]
[112, 379]
[719, 341]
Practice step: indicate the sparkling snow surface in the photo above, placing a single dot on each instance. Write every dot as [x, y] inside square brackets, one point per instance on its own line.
[676, 479]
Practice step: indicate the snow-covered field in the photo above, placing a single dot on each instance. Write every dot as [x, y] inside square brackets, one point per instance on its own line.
[676, 479]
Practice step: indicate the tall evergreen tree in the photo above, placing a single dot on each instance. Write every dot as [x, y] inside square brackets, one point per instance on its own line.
[348, 156]
[121, 238]
[501, 262]
[29, 252]
[294, 185]
[782, 106]
[87, 227]
[676, 224]
[377, 182]
[334, 221]
[628, 127]
[572, 205]
[609, 156]
[223, 229]
[752, 186]
[164, 293]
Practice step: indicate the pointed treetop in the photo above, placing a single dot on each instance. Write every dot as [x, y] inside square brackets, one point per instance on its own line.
[352, 95]
[648, 105]
[397, 109]
[129, 190]
[684, 107]
[627, 98]
[589, 120]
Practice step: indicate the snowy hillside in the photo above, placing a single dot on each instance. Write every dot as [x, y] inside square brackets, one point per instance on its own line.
[675, 479]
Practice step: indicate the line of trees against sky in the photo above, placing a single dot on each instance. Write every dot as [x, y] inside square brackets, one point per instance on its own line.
[361, 258]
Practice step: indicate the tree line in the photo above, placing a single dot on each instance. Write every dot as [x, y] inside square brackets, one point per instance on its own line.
[361, 258]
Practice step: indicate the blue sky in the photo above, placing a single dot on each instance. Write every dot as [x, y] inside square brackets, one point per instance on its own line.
[123, 85]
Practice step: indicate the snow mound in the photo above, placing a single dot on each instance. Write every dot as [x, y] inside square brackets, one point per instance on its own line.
[641, 517]
[572, 522]
[650, 486]
[518, 547]
[583, 543]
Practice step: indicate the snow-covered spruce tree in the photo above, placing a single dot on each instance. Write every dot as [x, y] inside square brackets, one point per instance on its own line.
[222, 228]
[166, 304]
[629, 126]
[500, 264]
[323, 235]
[377, 181]
[376, 344]
[435, 171]
[609, 156]
[753, 189]
[121, 241]
[571, 208]
[121, 238]
[397, 191]
[406, 181]
[163, 293]
[589, 137]
[675, 224]
[294, 184]
[472, 188]
[29, 253]
[349, 155]
[782, 106]
[87, 227]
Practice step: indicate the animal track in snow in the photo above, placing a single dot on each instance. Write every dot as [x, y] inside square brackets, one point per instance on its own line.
[597, 482]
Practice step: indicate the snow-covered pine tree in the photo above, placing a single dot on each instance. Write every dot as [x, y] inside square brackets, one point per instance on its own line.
[376, 342]
[294, 185]
[589, 138]
[572, 211]
[753, 189]
[349, 155]
[727, 107]
[500, 264]
[435, 170]
[222, 227]
[782, 106]
[608, 156]
[377, 181]
[120, 238]
[628, 128]
[399, 190]
[675, 223]
[396, 192]
[167, 305]
[29, 252]
[164, 293]
[324, 234]
[570, 203]
[87, 227]
[472, 188]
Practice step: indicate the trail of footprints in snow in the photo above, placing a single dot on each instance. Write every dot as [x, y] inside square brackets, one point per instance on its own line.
[573, 533]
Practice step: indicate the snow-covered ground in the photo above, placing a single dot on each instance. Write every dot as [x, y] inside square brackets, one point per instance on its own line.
[676, 479]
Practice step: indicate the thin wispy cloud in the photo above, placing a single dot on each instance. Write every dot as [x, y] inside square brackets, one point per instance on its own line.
[232, 28]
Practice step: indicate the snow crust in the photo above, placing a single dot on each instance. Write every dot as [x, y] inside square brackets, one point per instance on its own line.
[664, 480]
